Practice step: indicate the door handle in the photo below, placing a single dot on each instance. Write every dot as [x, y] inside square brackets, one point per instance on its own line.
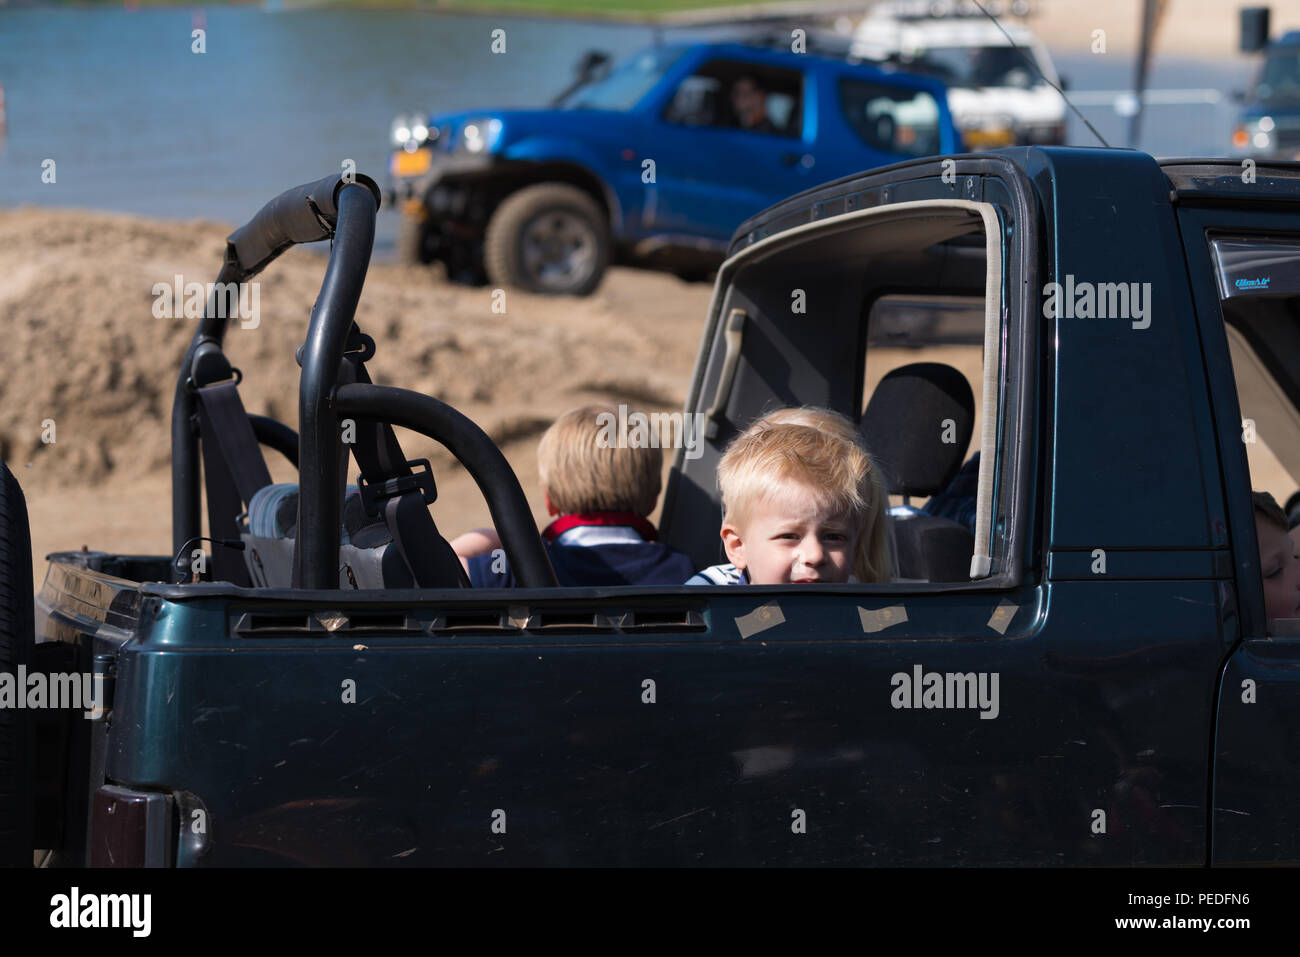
[798, 159]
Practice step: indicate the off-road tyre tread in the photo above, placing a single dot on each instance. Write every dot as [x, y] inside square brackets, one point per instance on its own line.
[501, 254]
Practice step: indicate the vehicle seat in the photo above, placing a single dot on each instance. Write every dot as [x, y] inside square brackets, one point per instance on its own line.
[367, 556]
[904, 427]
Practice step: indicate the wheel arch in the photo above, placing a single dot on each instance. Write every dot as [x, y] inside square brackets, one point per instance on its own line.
[574, 174]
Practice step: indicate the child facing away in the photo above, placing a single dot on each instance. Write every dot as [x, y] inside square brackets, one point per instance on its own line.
[601, 496]
[802, 503]
[1278, 564]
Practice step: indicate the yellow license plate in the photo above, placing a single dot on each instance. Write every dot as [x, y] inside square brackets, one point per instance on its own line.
[410, 164]
[994, 137]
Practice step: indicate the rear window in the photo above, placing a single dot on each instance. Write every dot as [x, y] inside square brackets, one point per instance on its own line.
[978, 67]
[890, 119]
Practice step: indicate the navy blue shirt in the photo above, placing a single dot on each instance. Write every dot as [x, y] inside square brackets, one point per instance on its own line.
[593, 555]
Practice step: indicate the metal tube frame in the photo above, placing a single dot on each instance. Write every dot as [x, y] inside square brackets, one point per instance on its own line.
[475, 450]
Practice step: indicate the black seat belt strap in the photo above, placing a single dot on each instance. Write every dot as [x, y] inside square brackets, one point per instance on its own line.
[405, 509]
[233, 467]
[224, 423]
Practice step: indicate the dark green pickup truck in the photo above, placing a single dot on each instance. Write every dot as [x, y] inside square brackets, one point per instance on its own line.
[1075, 667]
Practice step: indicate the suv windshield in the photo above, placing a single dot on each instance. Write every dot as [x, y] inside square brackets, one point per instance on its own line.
[1279, 79]
[626, 84]
[979, 66]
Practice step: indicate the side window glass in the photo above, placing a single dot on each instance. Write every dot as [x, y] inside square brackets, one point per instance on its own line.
[890, 119]
[732, 94]
[1259, 291]
[922, 405]
[696, 102]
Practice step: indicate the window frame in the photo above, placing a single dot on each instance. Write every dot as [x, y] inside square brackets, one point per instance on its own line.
[1019, 550]
[1199, 224]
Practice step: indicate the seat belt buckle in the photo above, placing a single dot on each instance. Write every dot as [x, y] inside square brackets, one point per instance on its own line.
[375, 494]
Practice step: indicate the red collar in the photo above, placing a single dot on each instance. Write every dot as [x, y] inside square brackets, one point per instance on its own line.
[575, 519]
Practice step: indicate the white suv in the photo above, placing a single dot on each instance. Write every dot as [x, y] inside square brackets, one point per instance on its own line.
[996, 97]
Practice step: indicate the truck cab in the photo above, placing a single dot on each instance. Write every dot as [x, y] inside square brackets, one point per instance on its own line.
[1075, 669]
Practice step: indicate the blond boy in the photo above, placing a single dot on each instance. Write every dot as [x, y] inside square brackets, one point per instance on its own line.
[601, 495]
[802, 504]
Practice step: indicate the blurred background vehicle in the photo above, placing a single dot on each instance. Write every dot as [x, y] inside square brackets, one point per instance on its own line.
[1268, 125]
[1000, 77]
[651, 162]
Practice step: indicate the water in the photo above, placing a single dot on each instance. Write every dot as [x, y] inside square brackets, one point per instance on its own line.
[137, 122]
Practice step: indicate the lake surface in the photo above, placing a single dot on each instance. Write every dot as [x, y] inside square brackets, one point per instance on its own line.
[137, 122]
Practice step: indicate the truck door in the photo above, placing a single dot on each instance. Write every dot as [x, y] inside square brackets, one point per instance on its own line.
[1100, 620]
[1245, 269]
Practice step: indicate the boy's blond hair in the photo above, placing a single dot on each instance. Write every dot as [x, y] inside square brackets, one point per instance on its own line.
[579, 475]
[821, 450]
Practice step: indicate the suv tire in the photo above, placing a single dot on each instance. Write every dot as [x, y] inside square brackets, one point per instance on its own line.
[409, 249]
[548, 238]
[17, 637]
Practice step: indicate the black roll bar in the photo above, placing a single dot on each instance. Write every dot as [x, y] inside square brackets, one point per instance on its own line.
[343, 210]
[316, 563]
[476, 451]
[276, 435]
[304, 214]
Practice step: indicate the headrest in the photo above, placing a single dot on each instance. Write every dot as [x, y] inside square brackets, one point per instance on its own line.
[273, 513]
[918, 425]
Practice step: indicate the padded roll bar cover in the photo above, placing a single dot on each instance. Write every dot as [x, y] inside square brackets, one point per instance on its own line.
[289, 219]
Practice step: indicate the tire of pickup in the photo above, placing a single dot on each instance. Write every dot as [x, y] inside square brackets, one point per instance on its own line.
[17, 638]
[549, 238]
[409, 248]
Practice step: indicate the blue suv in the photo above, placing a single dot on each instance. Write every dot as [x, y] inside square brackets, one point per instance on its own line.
[654, 164]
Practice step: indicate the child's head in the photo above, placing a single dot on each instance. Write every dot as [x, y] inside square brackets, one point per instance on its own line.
[1278, 564]
[802, 501]
[582, 473]
[810, 415]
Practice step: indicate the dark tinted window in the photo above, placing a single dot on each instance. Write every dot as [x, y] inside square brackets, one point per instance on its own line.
[979, 66]
[890, 119]
[1279, 80]
[740, 95]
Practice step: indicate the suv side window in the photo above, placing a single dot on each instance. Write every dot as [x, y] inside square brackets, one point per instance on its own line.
[889, 118]
[733, 94]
